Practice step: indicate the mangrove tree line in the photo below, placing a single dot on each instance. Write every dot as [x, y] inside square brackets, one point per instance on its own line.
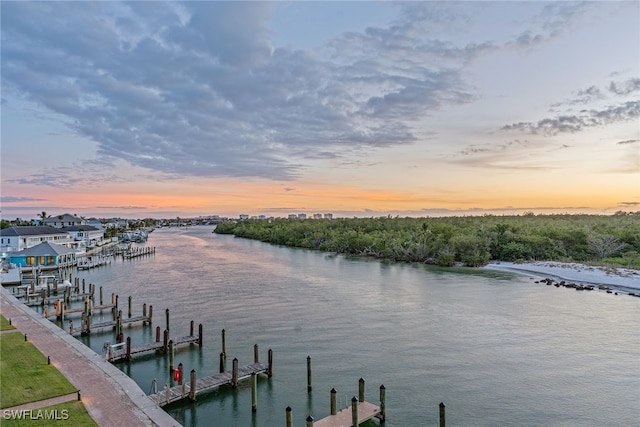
[469, 240]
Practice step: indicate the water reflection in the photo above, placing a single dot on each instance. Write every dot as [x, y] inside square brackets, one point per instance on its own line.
[429, 334]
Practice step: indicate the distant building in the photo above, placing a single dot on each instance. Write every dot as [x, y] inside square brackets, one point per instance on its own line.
[65, 220]
[302, 216]
[328, 216]
[244, 216]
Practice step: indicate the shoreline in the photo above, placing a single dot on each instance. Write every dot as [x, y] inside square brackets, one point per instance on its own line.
[625, 279]
[109, 395]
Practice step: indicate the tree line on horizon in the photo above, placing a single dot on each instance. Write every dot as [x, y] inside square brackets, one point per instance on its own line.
[469, 240]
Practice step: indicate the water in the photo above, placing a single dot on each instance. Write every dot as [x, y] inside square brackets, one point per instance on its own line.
[496, 348]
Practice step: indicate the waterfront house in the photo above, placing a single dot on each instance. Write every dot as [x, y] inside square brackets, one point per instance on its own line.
[45, 255]
[17, 238]
[84, 236]
[65, 220]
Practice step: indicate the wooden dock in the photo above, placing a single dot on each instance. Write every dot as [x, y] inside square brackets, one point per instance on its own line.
[124, 352]
[113, 323]
[206, 384]
[366, 411]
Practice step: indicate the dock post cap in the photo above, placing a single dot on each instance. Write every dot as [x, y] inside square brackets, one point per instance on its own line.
[382, 386]
[354, 399]
[288, 409]
[442, 404]
[333, 390]
[309, 418]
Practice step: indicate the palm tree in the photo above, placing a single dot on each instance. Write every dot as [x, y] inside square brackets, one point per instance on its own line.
[43, 215]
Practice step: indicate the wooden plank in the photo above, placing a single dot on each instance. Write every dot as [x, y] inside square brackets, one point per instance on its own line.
[154, 346]
[206, 384]
[366, 411]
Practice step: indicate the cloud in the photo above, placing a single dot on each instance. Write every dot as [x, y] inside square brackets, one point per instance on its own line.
[629, 141]
[197, 88]
[578, 122]
[626, 87]
[550, 22]
[14, 199]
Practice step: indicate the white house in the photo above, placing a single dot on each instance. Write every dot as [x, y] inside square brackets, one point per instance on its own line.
[85, 236]
[65, 220]
[14, 239]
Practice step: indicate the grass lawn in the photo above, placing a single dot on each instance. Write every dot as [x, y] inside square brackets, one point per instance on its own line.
[24, 374]
[4, 324]
[65, 414]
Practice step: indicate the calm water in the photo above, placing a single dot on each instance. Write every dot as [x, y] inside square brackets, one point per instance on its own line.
[496, 348]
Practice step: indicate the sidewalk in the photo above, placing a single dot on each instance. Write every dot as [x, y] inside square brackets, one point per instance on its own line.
[110, 396]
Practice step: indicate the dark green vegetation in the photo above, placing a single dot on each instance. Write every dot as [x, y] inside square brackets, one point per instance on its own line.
[472, 241]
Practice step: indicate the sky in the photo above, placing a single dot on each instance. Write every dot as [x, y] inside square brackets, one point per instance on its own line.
[184, 109]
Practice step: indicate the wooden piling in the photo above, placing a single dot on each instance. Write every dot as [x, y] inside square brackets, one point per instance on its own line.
[171, 356]
[167, 316]
[234, 372]
[128, 348]
[119, 322]
[256, 357]
[442, 415]
[167, 392]
[383, 403]
[288, 417]
[101, 295]
[333, 404]
[165, 341]
[192, 389]
[221, 362]
[270, 361]
[354, 411]
[129, 306]
[70, 327]
[361, 390]
[144, 309]
[309, 421]
[254, 392]
[200, 334]
[157, 333]
[181, 378]
[309, 388]
[224, 344]
[150, 314]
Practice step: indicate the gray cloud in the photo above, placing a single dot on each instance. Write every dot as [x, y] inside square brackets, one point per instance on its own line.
[626, 87]
[577, 122]
[13, 199]
[198, 89]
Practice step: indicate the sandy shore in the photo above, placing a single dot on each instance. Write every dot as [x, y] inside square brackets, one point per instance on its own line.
[616, 278]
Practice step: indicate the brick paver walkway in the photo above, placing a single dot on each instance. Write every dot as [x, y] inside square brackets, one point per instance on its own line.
[111, 398]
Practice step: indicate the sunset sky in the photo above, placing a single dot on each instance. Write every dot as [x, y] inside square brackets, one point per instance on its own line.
[150, 109]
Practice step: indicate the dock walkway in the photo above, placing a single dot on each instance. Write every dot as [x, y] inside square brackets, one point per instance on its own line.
[366, 411]
[203, 385]
[126, 352]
